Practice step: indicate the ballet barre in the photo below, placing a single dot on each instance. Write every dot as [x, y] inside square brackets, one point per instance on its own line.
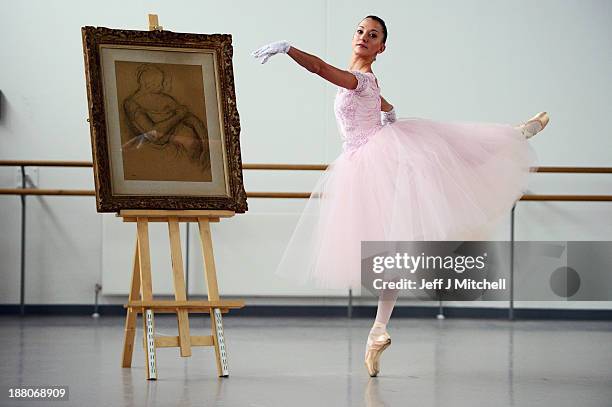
[24, 191]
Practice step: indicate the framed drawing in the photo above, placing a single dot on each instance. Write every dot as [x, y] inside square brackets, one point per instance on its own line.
[165, 130]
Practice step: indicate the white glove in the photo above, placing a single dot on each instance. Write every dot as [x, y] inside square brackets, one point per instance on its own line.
[387, 117]
[273, 48]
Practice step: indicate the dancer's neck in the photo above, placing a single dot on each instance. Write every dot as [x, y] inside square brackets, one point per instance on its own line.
[361, 65]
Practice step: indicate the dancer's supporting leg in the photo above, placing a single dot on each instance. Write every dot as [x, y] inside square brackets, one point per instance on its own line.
[379, 339]
[386, 303]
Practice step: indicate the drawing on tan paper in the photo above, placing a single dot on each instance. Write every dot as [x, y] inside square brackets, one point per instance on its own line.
[162, 119]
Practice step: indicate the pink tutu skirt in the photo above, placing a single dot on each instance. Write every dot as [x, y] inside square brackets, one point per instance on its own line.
[415, 179]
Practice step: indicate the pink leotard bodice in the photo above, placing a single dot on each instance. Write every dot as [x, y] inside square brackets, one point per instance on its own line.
[358, 111]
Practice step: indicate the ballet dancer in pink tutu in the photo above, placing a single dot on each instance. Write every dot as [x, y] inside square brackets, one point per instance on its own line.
[402, 179]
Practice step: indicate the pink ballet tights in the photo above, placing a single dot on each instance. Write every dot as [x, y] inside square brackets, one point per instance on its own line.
[386, 302]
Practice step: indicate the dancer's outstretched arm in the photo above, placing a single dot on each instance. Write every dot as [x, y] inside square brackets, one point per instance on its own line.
[326, 71]
[316, 65]
[311, 62]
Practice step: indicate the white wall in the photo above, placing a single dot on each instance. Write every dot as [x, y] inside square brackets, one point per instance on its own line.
[491, 61]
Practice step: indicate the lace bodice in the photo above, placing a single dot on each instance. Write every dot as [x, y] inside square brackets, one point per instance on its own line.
[358, 111]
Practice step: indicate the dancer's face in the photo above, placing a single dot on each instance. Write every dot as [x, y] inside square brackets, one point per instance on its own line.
[368, 39]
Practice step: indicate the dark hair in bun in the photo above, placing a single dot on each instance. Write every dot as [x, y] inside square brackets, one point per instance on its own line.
[382, 23]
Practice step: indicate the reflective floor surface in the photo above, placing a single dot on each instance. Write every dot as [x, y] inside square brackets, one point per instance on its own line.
[317, 362]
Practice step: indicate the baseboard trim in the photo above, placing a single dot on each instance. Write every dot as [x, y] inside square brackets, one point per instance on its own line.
[361, 311]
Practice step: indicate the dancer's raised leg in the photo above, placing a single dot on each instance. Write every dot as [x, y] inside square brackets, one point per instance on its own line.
[534, 125]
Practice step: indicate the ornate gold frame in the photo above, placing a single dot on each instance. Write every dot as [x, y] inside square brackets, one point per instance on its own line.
[221, 45]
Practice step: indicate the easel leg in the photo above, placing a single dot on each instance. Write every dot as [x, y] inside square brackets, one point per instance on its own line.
[179, 286]
[213, 295]
[216, 323]
[130, 319]
[149, 328]
[147, 295]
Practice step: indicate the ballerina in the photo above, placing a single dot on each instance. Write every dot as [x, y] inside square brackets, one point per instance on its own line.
[397, 178]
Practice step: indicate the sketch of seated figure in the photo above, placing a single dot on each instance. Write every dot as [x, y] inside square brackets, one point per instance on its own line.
[158, 119]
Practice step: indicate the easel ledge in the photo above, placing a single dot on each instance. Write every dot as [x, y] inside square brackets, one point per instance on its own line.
[161, 215]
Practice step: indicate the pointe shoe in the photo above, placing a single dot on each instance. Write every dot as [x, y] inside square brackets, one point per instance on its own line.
[374, 349]
[534, 125]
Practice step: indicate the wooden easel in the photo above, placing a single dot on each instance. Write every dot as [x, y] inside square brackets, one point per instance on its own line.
[141, 293]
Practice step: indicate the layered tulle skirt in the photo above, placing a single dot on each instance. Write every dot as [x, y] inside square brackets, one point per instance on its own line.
[415, 179]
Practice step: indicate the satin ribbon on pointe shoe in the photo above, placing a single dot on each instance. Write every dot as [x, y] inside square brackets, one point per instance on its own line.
[374, 349]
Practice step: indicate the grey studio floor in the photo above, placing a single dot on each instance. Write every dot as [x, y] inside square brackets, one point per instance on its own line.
[317, 362]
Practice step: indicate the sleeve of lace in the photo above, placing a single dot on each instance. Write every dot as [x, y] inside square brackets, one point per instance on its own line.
[362, 81]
